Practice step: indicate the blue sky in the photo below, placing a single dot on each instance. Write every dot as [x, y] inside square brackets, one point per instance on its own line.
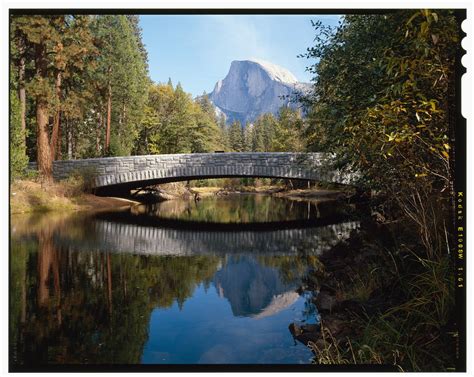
[197, 50]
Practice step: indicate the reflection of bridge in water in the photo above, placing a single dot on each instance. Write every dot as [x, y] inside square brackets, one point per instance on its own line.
[253, 288]
[112, 236]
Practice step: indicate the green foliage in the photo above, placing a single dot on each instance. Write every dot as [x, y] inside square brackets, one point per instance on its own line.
[58, 51]
[72, 64]
[383, 102]
[382, 96]
[254, 139]
[83, 179]
[88, 74]
[18, 158]
[236, 137]
[265, 126]
[122, 69]
[287, 132]
[175, 123]
[206, 135]
[283, 133]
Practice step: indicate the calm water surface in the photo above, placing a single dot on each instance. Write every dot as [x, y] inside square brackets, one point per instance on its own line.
[214, 281]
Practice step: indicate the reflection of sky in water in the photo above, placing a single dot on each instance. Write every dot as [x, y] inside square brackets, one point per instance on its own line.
[242, 318]
[206, 331]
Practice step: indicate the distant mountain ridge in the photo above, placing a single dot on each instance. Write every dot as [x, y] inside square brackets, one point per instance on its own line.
[254, 87]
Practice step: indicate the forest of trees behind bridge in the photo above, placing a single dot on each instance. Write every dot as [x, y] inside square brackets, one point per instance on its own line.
[79, 88]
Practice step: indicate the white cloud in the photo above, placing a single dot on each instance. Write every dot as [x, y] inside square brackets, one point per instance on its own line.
[239, 35]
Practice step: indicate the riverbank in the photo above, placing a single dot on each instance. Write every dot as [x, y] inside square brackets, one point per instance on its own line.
[382, 300]
[28, 196]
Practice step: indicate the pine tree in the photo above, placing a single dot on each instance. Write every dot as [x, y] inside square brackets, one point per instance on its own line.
[288, 131]
[18, 158]
[134, 21]
[208, 131]
[19, 57]
[58, 47]
[223, 133]
[122, 76]
[257, 142]
[264, 133]
[236, 137]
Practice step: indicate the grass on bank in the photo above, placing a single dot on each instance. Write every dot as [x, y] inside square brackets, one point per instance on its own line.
[33, 195]
[408, 301]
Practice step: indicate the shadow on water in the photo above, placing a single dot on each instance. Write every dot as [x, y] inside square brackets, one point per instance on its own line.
[132, 287]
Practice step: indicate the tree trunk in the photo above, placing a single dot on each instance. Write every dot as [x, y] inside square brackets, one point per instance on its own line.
[59, 153]
[57, 117]
[109, 116]
[57, 286]
[23, 294]
[45, 261]
[44, 159]
[109, 284]
[21, 88]
[69, 140]
[97, 134]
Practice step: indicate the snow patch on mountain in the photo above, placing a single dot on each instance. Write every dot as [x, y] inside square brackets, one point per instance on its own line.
[276, 72]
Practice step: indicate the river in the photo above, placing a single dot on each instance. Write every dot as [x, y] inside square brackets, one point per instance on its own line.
[215, 281]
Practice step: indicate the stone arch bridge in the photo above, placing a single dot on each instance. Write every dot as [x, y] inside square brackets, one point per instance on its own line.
[124, 173]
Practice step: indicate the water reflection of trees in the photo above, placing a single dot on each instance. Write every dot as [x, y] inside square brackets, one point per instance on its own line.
[294, 267]
[232, 209]
[88, 307]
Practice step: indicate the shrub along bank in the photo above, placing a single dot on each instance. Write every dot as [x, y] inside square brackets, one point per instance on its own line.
[384, 102]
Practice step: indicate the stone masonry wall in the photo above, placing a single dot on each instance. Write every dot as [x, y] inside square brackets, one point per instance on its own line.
[120, 170]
